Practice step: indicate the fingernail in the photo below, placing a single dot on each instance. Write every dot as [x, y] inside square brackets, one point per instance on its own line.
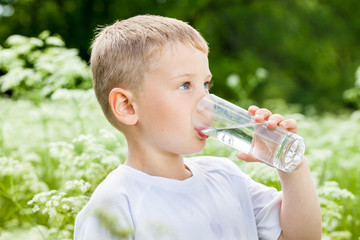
[284, 125]
[272, 122]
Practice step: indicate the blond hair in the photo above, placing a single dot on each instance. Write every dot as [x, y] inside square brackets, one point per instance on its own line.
[122, 52]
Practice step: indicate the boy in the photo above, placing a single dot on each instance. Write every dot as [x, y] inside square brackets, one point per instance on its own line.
[149, 74]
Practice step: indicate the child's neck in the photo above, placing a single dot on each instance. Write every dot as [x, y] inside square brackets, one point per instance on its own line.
[158, 164]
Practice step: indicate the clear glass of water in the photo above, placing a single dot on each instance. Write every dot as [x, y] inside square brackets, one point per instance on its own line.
[232, 125]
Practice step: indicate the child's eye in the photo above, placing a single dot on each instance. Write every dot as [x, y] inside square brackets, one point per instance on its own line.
[208, 85]
[185, 86]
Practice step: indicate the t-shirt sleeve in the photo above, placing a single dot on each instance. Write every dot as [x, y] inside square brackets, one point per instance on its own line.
[104, 220]
[266, 203]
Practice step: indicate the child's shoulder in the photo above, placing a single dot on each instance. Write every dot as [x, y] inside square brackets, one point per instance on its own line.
[118, 182]
[112, 186]
[107, 194]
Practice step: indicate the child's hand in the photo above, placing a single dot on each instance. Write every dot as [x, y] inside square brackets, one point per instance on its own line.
[273, 120]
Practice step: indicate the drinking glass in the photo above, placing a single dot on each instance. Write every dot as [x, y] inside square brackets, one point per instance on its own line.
[232, 125]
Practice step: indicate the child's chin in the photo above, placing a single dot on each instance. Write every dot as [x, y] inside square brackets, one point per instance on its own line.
[199, 148]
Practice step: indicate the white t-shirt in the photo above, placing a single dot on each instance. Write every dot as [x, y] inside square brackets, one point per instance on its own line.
[218, 202]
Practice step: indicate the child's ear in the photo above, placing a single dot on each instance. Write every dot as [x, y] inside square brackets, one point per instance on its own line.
[122, 106]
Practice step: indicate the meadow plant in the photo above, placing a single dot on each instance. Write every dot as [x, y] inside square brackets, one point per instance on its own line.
[334, 216]
[33, 68]
[18, 183]
[60, 207]
[352, 95]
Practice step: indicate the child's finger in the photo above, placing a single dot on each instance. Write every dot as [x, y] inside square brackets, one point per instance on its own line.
[274, 120]
[262, 114]
[289, 124]
[252, 109]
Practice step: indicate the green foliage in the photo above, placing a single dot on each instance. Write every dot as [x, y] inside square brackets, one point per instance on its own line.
[334, 154]
[59, 208]
[335, 218]
[310, 48]
[112, 223]
[18, 182]
[306, 55]
[33, 68]
[244, 89]
[352, 95]
[45, 181]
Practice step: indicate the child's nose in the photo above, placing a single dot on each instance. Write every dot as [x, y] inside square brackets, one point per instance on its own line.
[202, 94]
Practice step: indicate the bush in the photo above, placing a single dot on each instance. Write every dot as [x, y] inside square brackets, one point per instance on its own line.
[33, 68]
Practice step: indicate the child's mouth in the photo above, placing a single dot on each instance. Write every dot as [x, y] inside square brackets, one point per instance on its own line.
[201, 135]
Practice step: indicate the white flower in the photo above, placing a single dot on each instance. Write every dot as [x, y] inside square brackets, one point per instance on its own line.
[261, 73]
[65, 207]
[55, 203]
[55, 41]
[76, 185]
[233, 80]
[52, 213]
[35, 208]
[357, 77]
[16, 40]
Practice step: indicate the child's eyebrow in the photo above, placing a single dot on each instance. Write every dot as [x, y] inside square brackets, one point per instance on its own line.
[189, 75]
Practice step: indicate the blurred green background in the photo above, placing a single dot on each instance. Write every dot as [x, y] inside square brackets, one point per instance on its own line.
[304, 52]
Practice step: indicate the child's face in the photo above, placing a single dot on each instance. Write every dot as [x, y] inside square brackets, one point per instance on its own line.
[171, 91]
